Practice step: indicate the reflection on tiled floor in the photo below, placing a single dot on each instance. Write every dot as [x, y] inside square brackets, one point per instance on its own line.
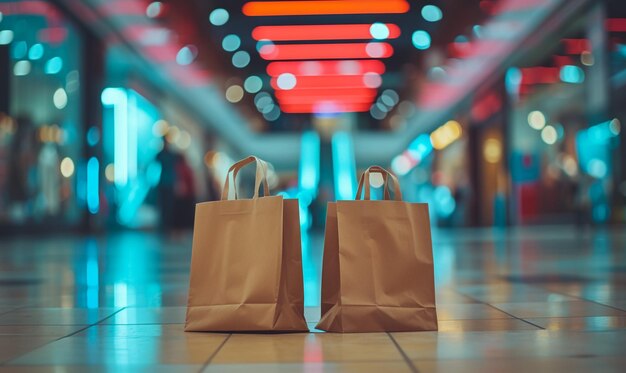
[508, 301]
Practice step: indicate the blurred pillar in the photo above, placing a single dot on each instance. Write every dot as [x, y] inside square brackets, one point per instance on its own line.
[598, 85]
[598, 89]
[473, 149]
[93, 61]
[5, 86]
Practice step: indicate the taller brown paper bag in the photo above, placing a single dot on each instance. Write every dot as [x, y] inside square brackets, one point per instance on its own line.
[378, 266]
[246, 265]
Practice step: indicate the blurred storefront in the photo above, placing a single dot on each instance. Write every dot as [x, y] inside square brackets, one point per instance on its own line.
[540, 144]
[82, 123]
[113, 114]
[41, 116]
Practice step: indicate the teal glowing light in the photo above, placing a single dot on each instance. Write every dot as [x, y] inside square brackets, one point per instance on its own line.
[512, 80]
[219, 17]
[93, 189]
[421, 40]
[186, 55]
[118, 99]
[241, 59]
[572, 74]
[19, 50]
[54, 65]
[309, 162]
[253, 84]
[344, 166]
[35, 52]
[6, 37]
[432, 13]
[379, 31]
[231, 43]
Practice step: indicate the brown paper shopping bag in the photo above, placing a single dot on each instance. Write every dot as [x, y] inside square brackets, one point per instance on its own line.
[377, 270]
[246, 265]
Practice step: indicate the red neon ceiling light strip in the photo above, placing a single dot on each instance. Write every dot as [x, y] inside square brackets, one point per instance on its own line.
[539, 75]
[327, 81]
[616, 24]
[341, 100]
[301, 8]
[576, 46]
[318, 93]
[319, 32]
[324, 108]
[345, 67]
[325, 51]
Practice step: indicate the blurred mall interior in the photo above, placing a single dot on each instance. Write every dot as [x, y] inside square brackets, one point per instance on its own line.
[117, 116]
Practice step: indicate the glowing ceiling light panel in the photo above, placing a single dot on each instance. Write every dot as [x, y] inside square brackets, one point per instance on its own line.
[325, 107]
[343, 67]
[294, 8]
[327, 51]
[378, 31]
[289, 81]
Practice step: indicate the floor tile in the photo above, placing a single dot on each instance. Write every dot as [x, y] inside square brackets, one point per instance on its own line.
[138, 330]
[592, 323]
[484, 325]
[16, 345]
[570, 365]
[558, 309]
[311, 347]
[193, 348]
[513, 344]
[40, 330]
[468, 312]
[348, 367]
[163, 315]
[57, 329]
[131, 368]
[55, 316]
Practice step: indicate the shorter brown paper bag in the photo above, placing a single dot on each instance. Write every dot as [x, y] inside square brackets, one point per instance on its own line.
[377, 270]
[246, 264]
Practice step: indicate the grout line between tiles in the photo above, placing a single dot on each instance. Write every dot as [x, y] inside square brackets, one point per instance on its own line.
[89, 326]
[503, 311]
[65, 336]
[215, 353]
[404, 355]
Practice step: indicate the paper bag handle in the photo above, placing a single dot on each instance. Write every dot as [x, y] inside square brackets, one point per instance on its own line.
[260, 177]
[364, 183]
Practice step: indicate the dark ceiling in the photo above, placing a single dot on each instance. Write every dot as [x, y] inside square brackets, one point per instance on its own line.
[403, 70]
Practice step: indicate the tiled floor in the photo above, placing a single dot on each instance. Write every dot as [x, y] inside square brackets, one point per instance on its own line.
[531, 300]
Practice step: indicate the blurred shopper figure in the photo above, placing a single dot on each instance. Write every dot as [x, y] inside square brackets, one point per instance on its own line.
[583, 200]
[213, 185]
[184, 194]
[49, 181]
[166, 186]
[21, 167]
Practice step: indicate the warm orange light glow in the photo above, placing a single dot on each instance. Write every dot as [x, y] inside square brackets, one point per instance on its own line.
[299, 8]
[326, 51]
[446, 134]
[329, 81]
[320, 32]
[325, 107]
[345, 67]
